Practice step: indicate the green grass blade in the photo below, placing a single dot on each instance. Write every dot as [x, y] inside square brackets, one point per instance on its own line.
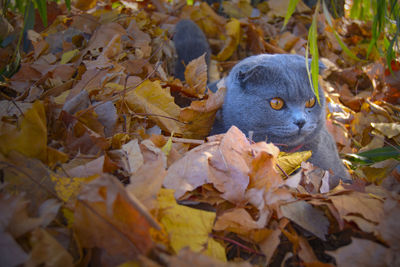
[42, 8]
[345, 48]
[312, 46]
[381, 154]
[68, 4]
[289, 11]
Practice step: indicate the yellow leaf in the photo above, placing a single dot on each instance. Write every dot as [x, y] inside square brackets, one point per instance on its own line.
[115, 86]
[168, 146]
[233, 31]
[68, 56]
[190, 122]
[30, 138]
[68, 188]
[85, 4]
[188, 227]
[55, 156]
[289, 162]
[151, 98]
[69, 216]
[239, 9]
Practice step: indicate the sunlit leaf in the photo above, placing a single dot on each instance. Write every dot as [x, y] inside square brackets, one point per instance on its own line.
[290, 10]
[188, 227]
[30, 136]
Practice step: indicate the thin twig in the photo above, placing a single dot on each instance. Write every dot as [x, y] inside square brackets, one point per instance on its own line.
[19, 109]
[287, 176]
[238, 244]
[186, 140]
[162, 116]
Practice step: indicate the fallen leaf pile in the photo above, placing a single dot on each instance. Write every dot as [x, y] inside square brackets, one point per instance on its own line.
[103, 159]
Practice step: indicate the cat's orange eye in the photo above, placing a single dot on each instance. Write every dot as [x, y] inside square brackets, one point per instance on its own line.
[310, 103]
[276, 103]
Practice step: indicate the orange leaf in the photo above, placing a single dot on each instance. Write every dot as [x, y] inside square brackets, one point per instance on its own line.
[107, 218]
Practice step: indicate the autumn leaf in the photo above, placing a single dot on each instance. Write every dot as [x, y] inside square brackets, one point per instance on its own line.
[188, 227]
[292, 161]
[105, 212]
[29, 137]
[233, 32]
[196, 77]
[358, 203]
[362, 252]
[307, 217]
[46, 250]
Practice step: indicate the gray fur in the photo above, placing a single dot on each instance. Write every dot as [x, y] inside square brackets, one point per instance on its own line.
[253, 82]
[190, 43]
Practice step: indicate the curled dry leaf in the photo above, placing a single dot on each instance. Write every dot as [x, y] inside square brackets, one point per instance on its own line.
[196, 77]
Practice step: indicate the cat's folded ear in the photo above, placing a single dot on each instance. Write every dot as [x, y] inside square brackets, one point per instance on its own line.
[253, 74]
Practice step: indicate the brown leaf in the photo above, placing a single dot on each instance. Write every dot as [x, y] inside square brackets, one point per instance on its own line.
[308, 217]
[47, 251]
[361, 253]
[146, 182]
[359, 203]
[236, 220]
[107, 218]
[231, 165]
[199, 117]
[190, 171]
[196, 77]
[270, 244]
[389, 227]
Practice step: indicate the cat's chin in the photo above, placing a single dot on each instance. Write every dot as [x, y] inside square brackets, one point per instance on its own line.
[288, 140]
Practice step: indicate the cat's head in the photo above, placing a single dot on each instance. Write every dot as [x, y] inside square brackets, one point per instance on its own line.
[271, 96]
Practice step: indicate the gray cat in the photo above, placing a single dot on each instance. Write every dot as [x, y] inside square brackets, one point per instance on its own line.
[271, 96]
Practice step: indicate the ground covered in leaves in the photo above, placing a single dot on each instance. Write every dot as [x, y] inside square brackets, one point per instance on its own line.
[103, 159]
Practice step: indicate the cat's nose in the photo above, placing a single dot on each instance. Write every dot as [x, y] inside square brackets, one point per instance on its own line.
[300, 123]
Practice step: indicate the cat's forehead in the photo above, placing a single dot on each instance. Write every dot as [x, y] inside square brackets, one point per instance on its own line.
[274, 75]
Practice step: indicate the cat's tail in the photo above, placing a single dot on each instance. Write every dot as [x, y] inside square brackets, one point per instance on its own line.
[190, 43]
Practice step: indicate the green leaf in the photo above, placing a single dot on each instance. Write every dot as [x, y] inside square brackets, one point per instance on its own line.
[375, 155]
[313, 47]
[42, 8]
[341, 43]
[383, 153]
[68, 4]
[290, 10]
[345, 48]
